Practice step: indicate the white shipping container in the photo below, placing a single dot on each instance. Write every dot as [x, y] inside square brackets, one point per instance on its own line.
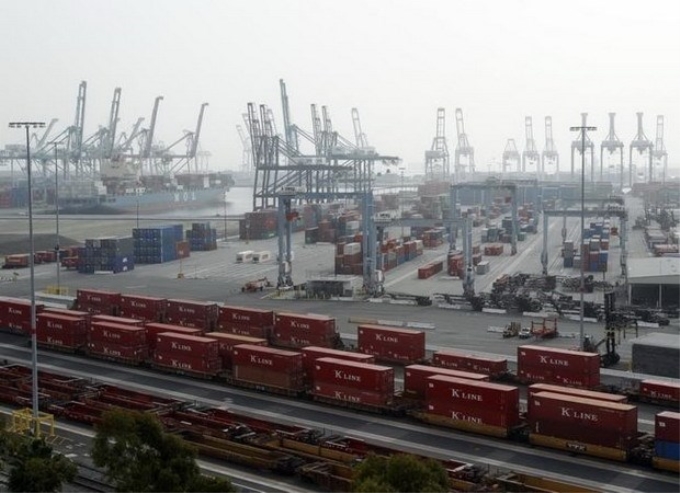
[244, 257]
[259, 257]
[352, 248]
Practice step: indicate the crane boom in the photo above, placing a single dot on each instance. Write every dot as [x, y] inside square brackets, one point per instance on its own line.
[152, 127]
[197, 134]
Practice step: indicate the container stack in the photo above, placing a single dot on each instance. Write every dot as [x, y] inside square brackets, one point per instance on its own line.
[561, 366]
[119, 342]
[241, 320]
[456, 263]
[433, 238]
[311, 353]
[193, 355]
[351, 381]
[158, 244]
[294, 330]
[154, 328]
[145, 308]
[107, 255]
[495, 367]
[555, 418]
[270, 367]
[61, 331]
[391, 344]
[190, 313]
[667, 435]
[494, 249]
[202, 237]
[568, 254]
[258, 225]
[416, 378]
[473, 404]
[15, 314]
[98, 302]
[429, 270]
[226, 343]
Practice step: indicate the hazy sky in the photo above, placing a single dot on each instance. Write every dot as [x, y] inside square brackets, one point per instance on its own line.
[396, 61]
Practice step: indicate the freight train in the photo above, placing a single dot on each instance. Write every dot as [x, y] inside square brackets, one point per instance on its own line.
[298, 355]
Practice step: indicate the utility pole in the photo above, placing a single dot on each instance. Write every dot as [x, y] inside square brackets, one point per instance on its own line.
[31, 263]
[56, 204]
[583, 129]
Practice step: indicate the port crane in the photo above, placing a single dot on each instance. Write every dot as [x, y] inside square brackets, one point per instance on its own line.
[642, 144]
[437, 158]
[582, 145]
[510, 157]
[463, 149]
[660, 154]
[612, 144]
[549, 153]
[529, 154]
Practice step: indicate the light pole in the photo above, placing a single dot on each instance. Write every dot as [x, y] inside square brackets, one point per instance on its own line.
[31, 258]
[56, 203]
[225, 220]
[583, 128]
[401, 205]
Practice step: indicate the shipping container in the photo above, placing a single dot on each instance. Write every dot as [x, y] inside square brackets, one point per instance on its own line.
[507, 417]
[667, 426]
[191, 313]
[305, 321]
[227, 342]
[463, 394]
[130, 354]
[186, 363]
[125, 335]
[351, 395]
[276, 360]
[117, 320]
[391, 344]
[108, 302]
[55, 323]
[586, 394]
[15, 314]
[61, 339]
[146, 308]
[352, 374]
[494, 367]
[657, 390]
[263, 377]
[242, 315]
[258, 331]
[559, 376]
[540, 364]
[173, 344]
[667, 450]
[87, 316]
[311, 353]
[416, 378]
[155, 328]
[300, 330]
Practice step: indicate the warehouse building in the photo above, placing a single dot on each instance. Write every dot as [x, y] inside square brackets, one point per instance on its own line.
[654, 281]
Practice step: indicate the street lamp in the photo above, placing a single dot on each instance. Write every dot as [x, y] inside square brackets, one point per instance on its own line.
[401, 205]
[225, 219]
[56, 203]
[31, 258]
[583, 128]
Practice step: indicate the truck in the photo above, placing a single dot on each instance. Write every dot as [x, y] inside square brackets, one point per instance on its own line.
[256, 285]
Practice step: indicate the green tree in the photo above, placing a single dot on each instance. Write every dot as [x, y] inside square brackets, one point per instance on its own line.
[34, 467]
[400, 473]
[138, 455]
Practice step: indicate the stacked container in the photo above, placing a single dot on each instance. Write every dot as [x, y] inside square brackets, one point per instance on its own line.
[667, 435]
[494, 367]
[295, 330]
[153, 329]
[116, 320]
[227, 342]
[187, 354]
[268, 367]
[61, 331]
[157, 245]
[659, 391]
[586, 421]
[146, 308]
[416, 378]
[561, 366]
[202, 237]
[568, 254]
[189, 313]
[98, 302]
[477, 404]
[258, 225]
[119, 342]
[455, 264]
[391, 344]
[106, 254]
[429, 270]
[311, 353]
[241, 320]
[353, 382]
[586, 394]
[15, 314]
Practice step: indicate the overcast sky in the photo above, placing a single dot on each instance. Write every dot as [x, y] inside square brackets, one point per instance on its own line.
[396, 61]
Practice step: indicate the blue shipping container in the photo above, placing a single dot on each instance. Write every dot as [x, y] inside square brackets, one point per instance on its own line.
[667, 450]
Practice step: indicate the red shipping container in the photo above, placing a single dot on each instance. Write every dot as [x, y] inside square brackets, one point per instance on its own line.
[318, 324]
[173, 344]
[117, 320]
[311, 353]
[667, 426]
[190, 310]
[61, 338]
[264, 376]
[659, 390]
[112, 350]
[351, 374]
[125, 335]
[415, 377]
[468, 362]
[482, 415]
[559, 376]
[353, 395]
[297, 338]
[55, 322]
[154, 328]
[586, 394]
[147, 308]
[107, 300]
[577, 412]
[271, 359]
[15, 313]
[227, 342]
[184, 362]
[391, 344]
[555, 358]
[470, 393]
[583, 434]
[70, 313]
[242, 315]
[244, 330]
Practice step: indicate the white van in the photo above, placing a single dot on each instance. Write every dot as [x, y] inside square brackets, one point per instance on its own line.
[260, 257]
[244, 257]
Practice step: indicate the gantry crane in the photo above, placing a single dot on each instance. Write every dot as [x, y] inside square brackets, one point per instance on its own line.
[510, 157]
[246, 156]
[359, 135]
[660, 154]
[437, 158]
[529, 154]
[549, 151]
[288, 127]
[612, 144]
[580, 145]
[149, 135]
[463, 148]
[642, 144]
